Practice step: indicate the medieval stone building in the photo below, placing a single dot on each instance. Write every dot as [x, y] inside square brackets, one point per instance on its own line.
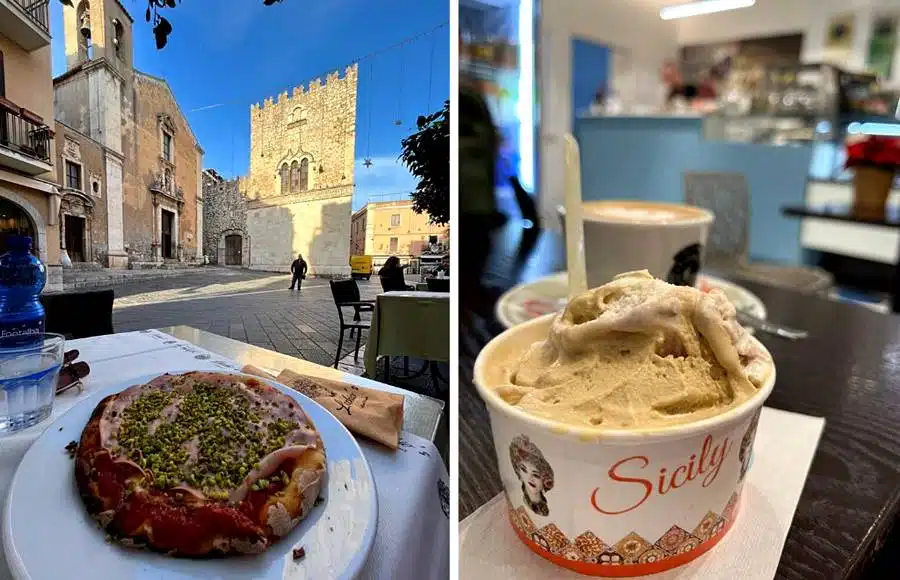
[300, 183]
[128, 156]
[225, 237]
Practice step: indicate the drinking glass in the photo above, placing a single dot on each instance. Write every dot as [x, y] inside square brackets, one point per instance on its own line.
[29, 370]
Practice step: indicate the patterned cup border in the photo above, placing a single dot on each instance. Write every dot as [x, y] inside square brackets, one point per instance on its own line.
[630, 556]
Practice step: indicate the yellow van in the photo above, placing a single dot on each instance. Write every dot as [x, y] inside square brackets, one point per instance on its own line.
[361, 267]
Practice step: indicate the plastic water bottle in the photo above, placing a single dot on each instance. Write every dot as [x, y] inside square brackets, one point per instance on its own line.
[22, 277]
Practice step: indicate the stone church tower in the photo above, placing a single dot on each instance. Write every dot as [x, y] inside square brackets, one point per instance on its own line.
[300, 183]
[151, 176]
[97, 41]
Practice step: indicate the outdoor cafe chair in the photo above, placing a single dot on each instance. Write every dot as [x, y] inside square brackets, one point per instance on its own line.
[346, 295]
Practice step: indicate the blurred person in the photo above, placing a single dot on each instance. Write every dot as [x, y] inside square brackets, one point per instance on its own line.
[443, 271]
[391, 274]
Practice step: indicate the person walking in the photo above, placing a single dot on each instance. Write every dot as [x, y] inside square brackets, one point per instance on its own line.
[298, 270]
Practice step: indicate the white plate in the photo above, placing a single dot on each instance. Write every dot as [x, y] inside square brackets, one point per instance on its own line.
[545, 295]
[48, 535]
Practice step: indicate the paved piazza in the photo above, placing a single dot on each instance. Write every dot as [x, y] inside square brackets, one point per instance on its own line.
[252, 307]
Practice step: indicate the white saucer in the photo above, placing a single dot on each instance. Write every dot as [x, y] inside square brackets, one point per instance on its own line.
[549, 294]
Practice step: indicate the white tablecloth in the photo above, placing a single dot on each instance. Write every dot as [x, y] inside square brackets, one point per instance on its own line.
[413, 536]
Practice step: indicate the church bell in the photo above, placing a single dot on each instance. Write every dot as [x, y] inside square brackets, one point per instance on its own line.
[85, 27]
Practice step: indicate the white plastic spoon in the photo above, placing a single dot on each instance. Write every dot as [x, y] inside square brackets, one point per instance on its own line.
[574, 223]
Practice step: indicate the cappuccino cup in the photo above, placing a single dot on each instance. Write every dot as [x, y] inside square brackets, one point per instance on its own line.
[667, 239]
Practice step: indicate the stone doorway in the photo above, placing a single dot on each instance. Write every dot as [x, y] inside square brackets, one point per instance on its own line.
[233, 250]
[168, 246]
[14, 221]
[75, 237]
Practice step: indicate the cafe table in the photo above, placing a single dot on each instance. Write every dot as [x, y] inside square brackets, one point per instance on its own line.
[423, 286]
[847, 371]
[411, 482]
[409, 323]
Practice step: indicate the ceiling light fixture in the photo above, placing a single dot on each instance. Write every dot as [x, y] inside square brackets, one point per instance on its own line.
[702, 7]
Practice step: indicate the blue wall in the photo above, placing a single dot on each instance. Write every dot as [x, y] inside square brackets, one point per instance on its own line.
[590, 72]
[644, 158]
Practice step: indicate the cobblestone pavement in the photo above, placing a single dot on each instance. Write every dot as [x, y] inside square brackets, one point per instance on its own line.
[252, 307]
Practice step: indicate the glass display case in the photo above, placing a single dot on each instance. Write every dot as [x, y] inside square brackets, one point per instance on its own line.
[799, 103]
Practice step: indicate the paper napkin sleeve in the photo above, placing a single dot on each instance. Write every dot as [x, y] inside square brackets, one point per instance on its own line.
[375, 414]
[372, 413]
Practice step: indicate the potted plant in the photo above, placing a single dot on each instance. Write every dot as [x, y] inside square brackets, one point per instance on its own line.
[874, 161]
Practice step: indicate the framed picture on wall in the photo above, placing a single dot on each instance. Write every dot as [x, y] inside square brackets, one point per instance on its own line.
[883, 46]
[840, 33]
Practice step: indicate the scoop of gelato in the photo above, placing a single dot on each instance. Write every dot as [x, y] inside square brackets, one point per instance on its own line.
[639, 353]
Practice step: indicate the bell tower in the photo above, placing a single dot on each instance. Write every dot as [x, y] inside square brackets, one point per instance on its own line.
[99, 61]
[95, 29]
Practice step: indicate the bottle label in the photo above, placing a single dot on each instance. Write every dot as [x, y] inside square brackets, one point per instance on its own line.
[27, 331]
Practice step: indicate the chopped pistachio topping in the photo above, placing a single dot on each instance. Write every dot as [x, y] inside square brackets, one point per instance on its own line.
[212, 442]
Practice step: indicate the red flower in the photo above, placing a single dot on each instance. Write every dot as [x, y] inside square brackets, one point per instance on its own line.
[874, 151]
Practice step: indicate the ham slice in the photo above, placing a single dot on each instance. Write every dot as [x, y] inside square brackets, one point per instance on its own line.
[267, 467]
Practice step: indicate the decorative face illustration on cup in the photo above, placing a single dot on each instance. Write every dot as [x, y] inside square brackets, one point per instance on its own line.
[746, 450]
[533, 471]
[685, 266]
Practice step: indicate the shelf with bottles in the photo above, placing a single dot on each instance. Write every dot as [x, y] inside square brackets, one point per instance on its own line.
[495, 54]
[805, 91]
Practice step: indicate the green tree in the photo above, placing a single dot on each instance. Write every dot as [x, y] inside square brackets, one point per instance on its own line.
[162, 28]
[427, 155]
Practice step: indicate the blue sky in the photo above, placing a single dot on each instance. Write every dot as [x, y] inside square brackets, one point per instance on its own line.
[237, 52]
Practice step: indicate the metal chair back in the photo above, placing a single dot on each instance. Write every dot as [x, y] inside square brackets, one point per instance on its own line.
[727, 196]
[79, 314]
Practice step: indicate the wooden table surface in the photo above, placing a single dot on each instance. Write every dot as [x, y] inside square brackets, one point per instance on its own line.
[847, 371]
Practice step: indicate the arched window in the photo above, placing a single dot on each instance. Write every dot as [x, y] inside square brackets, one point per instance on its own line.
[284, 178]
[304, 175]
[295, 176]
[83, 14]
[15, 221]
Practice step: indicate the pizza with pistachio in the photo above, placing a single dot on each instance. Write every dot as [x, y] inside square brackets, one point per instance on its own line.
[199, 464]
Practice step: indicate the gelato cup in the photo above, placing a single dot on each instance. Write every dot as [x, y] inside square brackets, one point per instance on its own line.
[615, 502]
